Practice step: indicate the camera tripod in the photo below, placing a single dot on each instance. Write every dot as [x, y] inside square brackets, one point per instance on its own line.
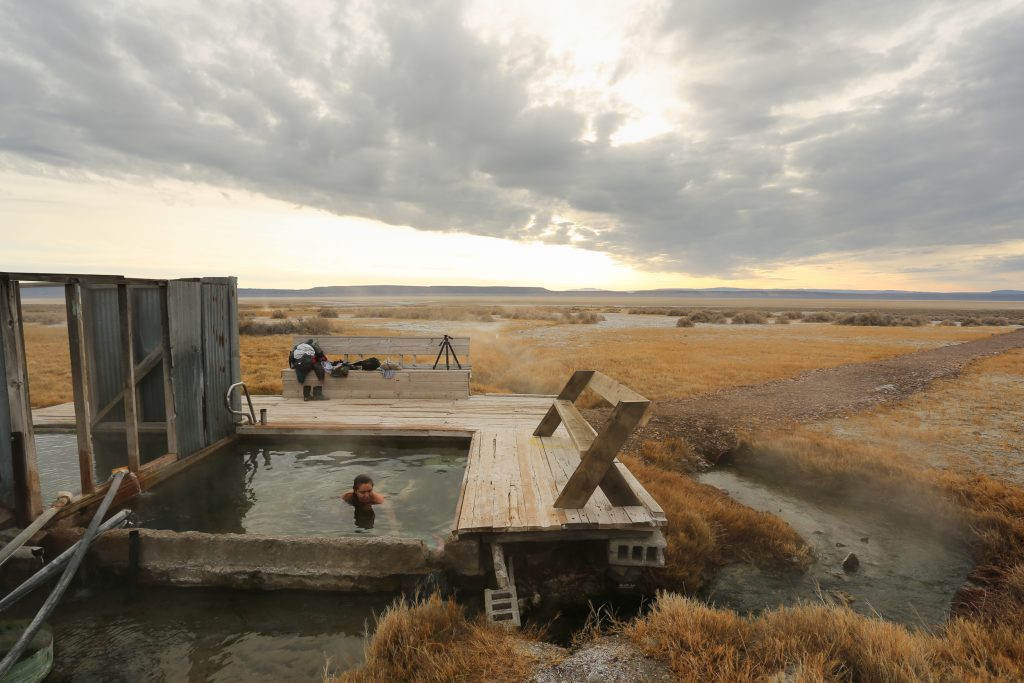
[446, 348]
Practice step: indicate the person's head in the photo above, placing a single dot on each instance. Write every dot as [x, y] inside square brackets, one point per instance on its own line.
[362, 489]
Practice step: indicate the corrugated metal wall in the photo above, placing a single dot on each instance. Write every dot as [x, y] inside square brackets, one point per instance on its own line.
[218, 355]
[202, 330]
[147, 335]
[6, 455]
[202, 320]
[186, 332]
[103, 332]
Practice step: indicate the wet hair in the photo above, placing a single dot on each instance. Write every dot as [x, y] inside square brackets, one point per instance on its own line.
[360, 480]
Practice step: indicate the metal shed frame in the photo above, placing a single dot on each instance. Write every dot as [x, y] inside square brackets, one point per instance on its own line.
[147, 357]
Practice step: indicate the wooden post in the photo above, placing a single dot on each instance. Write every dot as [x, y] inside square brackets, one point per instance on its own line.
[598, 459]
[165, 343]
[18, 393]
[131, 420]
[81, 385]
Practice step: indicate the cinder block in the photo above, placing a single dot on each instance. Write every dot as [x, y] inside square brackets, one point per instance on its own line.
[645, 551]
[502, 606]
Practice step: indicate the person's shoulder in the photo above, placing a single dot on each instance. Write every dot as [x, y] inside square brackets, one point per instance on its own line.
[347, 496]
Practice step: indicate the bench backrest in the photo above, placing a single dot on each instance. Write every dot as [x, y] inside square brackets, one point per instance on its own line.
[393, 348]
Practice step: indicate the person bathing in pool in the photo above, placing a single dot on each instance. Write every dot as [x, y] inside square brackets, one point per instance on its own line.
[362, 493]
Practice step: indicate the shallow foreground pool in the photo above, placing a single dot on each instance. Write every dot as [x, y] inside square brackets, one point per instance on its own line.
[201, 636]
[294, 488]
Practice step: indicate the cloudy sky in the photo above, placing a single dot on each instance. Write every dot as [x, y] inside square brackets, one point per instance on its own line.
[621, 144]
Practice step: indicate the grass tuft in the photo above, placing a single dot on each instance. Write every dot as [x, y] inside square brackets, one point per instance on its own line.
[433, 641]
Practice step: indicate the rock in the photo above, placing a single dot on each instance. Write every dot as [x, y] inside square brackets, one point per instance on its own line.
[850, 563]
[885, 388]
[840, 545]
[865, 539]
[842, 598]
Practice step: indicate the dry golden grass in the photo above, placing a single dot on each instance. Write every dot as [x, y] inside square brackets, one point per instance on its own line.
[973, 423]
[667, 363]
[49, 364]
[832, 643]
[434, 642]
[532, 357]
[821, 643]
[992, 509]
[706, 528]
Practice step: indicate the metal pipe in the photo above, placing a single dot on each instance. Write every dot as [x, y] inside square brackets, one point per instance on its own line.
[44, 574]
[58, 591]
[26, 534]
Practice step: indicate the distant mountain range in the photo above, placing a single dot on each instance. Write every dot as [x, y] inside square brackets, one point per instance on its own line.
[343, 291]
[541, 292]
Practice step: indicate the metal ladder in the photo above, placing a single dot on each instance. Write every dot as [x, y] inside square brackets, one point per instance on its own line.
[250, 417]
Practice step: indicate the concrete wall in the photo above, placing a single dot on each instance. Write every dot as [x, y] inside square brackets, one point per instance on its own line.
[190, 558]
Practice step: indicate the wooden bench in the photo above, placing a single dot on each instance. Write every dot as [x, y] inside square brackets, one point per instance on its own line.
[415, 378]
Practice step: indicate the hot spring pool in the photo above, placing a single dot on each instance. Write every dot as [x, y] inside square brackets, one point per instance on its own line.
[293, 488]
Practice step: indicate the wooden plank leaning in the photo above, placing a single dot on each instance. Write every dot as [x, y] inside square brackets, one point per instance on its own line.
[570, 392]
[597, 461]
[580, 431]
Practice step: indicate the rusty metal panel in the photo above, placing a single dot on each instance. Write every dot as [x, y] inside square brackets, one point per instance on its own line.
[186, 333]
[218, 357]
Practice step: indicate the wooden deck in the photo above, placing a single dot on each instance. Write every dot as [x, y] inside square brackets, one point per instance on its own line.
[512, 477]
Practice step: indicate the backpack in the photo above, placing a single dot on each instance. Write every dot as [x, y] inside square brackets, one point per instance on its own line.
[302, 357]
[367, 364]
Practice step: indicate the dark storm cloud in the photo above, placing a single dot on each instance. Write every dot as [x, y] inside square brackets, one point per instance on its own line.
[405, 116]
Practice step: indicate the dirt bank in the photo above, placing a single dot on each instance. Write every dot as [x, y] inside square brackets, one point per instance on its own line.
[712, 423]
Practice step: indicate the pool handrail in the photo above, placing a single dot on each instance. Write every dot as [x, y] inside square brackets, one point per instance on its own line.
[250, 417]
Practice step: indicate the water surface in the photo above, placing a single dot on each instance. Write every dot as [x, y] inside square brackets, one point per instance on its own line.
[200, 635]
[909, 570]
[295, 487]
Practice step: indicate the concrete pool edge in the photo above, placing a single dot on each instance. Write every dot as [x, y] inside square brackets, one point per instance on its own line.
[244, 561]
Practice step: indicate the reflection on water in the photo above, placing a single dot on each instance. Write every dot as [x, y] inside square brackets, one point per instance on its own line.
[364, 517]
[908, 572]
[295, 488]
[57, 459]
[199, 636]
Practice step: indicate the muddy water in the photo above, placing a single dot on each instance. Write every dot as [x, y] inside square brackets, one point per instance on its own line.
[200, 636]
[908, 571]
[294, 488]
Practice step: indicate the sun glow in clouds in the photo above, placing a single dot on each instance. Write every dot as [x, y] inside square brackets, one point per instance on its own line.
[174, 229]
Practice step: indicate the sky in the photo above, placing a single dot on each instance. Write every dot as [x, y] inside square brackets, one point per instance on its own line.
[627, 144]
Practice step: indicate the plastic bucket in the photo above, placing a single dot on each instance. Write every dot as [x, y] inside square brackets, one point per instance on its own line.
[37, 659]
